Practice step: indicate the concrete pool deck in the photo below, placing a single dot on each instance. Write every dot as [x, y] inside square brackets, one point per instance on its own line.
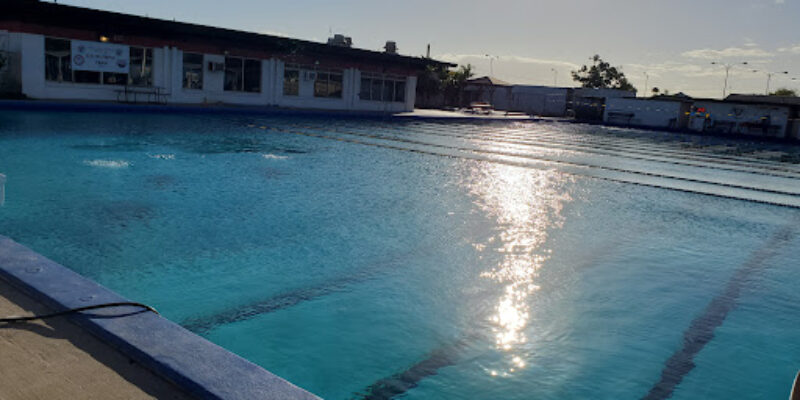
[170, 352]
[57, 359]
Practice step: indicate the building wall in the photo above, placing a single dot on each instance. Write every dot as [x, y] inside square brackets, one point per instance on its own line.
[540, 100]
[793, 131]
[168, 78]
[645, 113]
[740, 119]
[534, 100]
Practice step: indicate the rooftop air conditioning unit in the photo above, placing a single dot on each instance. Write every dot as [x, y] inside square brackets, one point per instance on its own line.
[391, 47]
[216, 66]
[340, 40]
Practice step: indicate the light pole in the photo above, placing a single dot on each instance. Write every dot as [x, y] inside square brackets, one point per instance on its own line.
[555, 77]
[491, 66]
[769, 77]
[646, 81]
[727, 73]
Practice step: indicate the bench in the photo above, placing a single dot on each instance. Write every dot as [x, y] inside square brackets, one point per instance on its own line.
[151, 95]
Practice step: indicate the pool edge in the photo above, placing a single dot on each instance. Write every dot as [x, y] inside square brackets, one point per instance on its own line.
[194, 364]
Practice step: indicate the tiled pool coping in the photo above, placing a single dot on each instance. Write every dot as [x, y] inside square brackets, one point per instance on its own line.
[193, 363]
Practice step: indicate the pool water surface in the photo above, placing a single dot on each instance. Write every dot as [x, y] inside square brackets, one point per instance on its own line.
[419, 260]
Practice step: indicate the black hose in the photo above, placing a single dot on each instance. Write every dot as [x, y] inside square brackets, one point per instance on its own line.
[11, 320]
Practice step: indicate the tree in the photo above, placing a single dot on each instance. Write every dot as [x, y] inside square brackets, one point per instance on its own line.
[444, 84]
[655, 91]
[454, 83]
[601, 75]
[784, 92]
[430, 86]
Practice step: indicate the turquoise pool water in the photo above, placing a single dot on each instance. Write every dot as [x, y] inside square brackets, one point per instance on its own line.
[379, 259]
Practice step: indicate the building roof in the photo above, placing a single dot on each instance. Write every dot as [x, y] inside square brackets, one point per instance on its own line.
[487, 80]
[113, 24]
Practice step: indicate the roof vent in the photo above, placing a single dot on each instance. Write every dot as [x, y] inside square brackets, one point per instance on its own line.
[340, 40]
[391, 47]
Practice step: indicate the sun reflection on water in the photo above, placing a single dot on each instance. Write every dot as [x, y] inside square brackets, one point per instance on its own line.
[525, 204]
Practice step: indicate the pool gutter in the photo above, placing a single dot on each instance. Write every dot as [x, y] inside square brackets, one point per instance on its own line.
[198, 366]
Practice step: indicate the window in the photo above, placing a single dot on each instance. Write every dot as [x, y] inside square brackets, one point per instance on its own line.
[141, 70]
[252, 76]
[242, 75]
[382, 88]
[86, 77]
[193, 71]
[400, 91]
[110, 78]
[234, 74]
[328, 84]
[388, 90]
[58, 66]
[291, 81]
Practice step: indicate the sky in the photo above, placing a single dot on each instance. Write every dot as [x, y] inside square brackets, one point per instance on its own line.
[669, 44]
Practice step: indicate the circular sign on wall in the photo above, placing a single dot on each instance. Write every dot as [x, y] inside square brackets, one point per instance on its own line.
[78, 60]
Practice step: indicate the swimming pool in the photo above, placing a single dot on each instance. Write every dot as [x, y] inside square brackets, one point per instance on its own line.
[379, 259]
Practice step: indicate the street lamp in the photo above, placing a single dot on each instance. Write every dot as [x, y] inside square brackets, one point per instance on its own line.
[769, 77]
[491, 67]
[555, 77]
[646, 81]
[727, 73]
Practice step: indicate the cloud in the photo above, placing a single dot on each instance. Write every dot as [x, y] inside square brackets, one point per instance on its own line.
[457, 58]
[672, 67]
[274, 33]
[795, 49]
[730, 52]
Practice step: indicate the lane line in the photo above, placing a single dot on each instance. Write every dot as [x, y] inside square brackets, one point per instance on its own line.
[701, 330]
[567, 163]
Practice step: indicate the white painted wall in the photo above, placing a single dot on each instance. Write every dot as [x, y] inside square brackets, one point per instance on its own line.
[168, 76]
[535, 100]
[540, 100]
[640, 112]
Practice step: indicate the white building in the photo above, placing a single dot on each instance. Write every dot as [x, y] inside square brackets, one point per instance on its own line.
[661, 114]
[734, 118]
[71, 53]
[584, 103]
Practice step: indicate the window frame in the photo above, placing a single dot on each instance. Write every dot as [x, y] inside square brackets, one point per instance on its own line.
[328, 88]
[200, 81]
[61, 67]
[146, 66]
[295, 85]
[374, 88]
[242, 86]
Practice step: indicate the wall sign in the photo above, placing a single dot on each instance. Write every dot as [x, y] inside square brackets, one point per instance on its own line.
[101, 57]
